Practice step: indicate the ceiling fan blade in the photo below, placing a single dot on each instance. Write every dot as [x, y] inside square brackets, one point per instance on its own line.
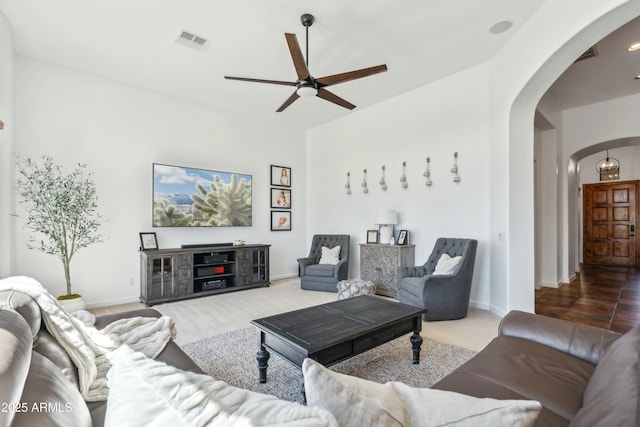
[351, 75]
[332, 97]
[296, 55]
[273, 82]
[288, 102]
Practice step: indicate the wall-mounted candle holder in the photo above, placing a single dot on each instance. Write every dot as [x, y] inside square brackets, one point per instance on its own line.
[427, 173]
[383, 183]
[365, 189]
[348, 184]
[403, 177]
[454, 168]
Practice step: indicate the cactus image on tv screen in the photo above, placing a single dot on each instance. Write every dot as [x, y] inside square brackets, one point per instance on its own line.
[189, 197]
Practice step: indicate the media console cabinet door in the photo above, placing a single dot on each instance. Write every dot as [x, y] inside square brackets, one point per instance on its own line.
[379, 263]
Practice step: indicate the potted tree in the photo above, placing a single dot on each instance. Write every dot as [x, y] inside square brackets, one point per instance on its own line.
[61, 211]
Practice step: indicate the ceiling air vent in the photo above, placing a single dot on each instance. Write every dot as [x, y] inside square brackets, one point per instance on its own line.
[191, 40]
[590, 53]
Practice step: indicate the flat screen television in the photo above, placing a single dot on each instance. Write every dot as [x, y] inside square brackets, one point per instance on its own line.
[189, 197]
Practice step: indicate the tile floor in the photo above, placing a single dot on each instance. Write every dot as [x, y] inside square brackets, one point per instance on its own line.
[602, 296]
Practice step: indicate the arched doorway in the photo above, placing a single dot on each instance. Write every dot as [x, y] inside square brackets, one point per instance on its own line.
[521, 203]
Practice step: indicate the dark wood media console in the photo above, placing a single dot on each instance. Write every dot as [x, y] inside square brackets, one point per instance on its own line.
[181, 273]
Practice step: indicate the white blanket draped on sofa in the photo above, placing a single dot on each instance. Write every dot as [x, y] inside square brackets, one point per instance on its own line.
[88, 347]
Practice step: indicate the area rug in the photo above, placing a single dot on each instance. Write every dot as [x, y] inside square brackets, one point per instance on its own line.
[230, 357]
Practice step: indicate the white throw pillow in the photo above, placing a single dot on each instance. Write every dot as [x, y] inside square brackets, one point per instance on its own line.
[447, 265]
[357, 402]
[146, 392]
[330, 256]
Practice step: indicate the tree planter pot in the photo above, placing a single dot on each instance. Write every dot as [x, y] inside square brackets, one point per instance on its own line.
[73, 304]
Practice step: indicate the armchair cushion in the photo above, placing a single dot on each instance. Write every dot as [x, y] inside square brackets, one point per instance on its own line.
[330, 255]
[447, 265]
[321, 270]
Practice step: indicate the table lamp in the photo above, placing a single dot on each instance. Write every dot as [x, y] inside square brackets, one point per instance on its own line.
[386, 219]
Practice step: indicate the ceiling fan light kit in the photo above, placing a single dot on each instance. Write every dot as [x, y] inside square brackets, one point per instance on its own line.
[307, 85]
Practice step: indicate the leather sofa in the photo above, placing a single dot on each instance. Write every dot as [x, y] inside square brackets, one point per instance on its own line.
[582, 375]
[38, 380]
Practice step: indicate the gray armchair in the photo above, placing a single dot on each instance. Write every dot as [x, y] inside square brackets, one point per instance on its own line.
[324, 277]
[446, 297]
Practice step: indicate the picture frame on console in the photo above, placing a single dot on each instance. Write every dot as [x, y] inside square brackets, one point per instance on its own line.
[372, 236]
[280, 220]
[148, 241]
[280, 198]
[403, 237]
[280, 176]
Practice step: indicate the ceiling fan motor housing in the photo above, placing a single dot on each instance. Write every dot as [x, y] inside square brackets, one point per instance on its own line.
[307, 19]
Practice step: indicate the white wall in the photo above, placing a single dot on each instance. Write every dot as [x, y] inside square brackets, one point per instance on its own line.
[7, 140]
[436, 120]
[119, 131]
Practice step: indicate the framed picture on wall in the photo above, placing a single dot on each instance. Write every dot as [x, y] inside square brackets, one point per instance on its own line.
[372, 236]
[280, 176]
[280, 198]
[280, 220]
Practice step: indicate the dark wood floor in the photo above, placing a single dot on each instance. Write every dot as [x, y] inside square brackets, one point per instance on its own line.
[606, 297]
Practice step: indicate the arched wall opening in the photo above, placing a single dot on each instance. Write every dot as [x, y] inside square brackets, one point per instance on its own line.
[520, 275]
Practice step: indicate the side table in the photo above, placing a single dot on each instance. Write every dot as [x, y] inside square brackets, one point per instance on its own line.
[378, 263]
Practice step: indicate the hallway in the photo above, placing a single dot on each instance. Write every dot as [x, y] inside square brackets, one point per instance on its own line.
[602, 296]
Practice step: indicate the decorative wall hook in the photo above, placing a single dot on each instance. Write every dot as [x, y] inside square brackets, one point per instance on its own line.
[383, 183]
[348, 184]
[365, 189]
[403, 178]
[427, 174]
[454, 168]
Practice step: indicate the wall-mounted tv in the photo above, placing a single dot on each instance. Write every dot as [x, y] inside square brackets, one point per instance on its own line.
[189, 197]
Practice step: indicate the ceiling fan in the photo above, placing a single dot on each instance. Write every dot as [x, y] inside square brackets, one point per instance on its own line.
[307, 85]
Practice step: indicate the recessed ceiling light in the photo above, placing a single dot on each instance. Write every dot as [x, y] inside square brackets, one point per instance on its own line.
[633, 47]
[637, 77]
[500, 27]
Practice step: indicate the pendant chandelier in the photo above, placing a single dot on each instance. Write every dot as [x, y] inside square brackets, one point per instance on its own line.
[608, 167]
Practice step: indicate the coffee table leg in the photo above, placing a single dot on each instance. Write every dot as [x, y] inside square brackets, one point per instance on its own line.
[262, 357]
[416, 342]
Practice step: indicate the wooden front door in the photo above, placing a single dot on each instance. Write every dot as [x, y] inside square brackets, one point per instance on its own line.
[609, 226]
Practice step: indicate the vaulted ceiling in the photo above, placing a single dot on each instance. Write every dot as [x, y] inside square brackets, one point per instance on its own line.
[135, 42]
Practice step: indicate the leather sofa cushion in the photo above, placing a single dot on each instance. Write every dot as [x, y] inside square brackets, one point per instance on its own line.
[25, 306]
[15, 357]
[528, 369]
[611, 397]
[50, 399]
[322, 270]
[47, 346]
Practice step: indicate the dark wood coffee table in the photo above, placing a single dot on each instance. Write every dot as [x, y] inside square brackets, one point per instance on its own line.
[332, 332]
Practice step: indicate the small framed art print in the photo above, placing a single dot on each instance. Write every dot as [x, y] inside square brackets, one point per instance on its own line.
[280, 220]
[372, 236]
[280, 176]
[403, 237]
[148, 241]
[280, 198]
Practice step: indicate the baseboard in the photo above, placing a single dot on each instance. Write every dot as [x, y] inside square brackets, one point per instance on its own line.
[109, 303]
[479, 305]
[550, 285]
[497, 311]
[284, 276]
